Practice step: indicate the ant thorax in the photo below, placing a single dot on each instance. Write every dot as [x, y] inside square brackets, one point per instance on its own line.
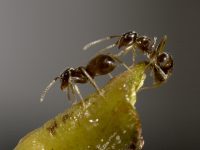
[145, 44]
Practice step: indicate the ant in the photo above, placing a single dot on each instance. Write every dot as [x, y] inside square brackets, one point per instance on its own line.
[101, 64]
[129, 41]
[161, 63]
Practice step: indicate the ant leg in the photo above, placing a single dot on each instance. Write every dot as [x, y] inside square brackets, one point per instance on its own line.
[119, 61]
[161, 71]
[106, 48]
[155, 84]
[92, 81]
[79, 94]
[75, 90]
[68, 92]
[124, 51]
[110, 75]
[134, 55]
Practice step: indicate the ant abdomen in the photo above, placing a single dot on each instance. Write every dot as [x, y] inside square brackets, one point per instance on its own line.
[165, 62]
[100, 65]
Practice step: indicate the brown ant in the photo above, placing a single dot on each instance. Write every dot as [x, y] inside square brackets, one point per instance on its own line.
[161, 63]
[101, 64]
[129, 41]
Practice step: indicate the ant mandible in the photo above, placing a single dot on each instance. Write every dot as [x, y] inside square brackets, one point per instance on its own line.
[101, 64]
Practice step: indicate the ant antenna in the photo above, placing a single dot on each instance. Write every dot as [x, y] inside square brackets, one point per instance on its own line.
[108, 47]
[47, 89]
[99, 41]
[154, 42]
[161, 45]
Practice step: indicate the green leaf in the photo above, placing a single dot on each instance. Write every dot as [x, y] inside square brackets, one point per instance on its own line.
[106, 123]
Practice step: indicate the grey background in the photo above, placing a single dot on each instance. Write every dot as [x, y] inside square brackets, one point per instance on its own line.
[39, 38]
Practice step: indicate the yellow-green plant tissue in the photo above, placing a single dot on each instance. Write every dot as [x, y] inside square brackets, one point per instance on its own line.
[108, 122]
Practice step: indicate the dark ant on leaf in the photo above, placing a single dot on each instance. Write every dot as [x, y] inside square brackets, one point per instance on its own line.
[101, 64]
[161, 63]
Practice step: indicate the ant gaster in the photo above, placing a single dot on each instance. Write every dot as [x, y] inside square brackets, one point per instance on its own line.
[100, 65]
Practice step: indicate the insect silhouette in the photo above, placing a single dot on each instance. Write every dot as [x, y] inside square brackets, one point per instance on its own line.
[129, 41]
[101, 64]
[160, 63]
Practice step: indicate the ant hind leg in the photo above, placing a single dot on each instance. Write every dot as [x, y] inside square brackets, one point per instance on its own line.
[155, 83]
[119, 61]
[92, 81]
[133, 55]
[110, 75]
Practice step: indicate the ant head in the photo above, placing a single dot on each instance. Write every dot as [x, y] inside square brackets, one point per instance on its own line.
[64, 78]
[127, 39]
[165, 62]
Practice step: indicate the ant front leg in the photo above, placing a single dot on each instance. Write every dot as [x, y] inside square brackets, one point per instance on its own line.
[73, 90]
[79, 94]
[134, 54]
[110, 75]
[156, 82]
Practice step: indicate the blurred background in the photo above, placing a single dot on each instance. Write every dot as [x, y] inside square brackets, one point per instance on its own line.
[40, 38]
